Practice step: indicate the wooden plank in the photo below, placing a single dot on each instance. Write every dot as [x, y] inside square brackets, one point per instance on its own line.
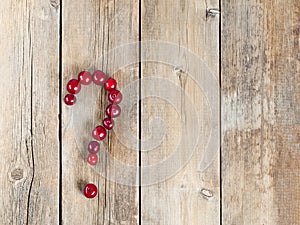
[260, 112]
[91, 29]
[176, 112]
[29, 112]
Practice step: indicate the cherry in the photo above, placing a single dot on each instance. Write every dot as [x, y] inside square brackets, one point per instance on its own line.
[115, 96]
[85, 77]
[108, 123]
[73, 86]
[92, 159]
[99, 77]
[113, 110]
[90, 191]
[99, 133]
[70, 99]
[94, 147]
[110, 84]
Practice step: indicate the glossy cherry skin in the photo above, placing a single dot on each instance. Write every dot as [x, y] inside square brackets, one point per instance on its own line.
[94, 147]
[108, 123]
[85, 77]
[115, 96]
[73, 86]
[70, 99]
[113, 110]
[90, 191]
[99, 133]
[92, 159]
[110, 84]
[99, 77]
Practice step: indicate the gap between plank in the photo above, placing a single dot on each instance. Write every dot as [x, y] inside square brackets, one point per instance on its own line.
[60, 114]
[140, 111]
[220, 105]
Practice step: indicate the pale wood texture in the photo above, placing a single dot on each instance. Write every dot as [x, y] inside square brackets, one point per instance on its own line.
[29, 87]
[260, 112]
[90, 29]
[189, 196]
[260, 101]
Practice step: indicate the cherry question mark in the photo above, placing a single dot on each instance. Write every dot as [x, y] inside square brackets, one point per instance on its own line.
[113, 110]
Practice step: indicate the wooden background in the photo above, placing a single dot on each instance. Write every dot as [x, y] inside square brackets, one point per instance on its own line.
[252, 48]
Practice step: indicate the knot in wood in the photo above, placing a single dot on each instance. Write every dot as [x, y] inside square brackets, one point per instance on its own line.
[17, 174]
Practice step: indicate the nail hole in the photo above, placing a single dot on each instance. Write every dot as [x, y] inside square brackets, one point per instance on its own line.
[54, 4]
[178, 70]
[207, 194]
[212, 12]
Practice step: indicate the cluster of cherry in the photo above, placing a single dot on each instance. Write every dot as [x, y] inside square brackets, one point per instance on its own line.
[112, 110]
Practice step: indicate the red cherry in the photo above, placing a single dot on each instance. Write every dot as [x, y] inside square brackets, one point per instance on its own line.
[85, 77]
[108, 123]
[110, 84]
[70, 99]
[90, 191]
[113, 110]
[73, 86]
[115, 96]
[94, 147]
[92, 159]
[99, 77]
[99, 133]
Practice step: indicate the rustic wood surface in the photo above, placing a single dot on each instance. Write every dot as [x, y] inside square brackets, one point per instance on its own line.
[29, 122]
[188, 196]
[91, 29]
[260, 112]
[43, 44]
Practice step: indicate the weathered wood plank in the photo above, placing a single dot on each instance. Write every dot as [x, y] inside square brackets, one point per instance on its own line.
[176, 111]
[29, 112]
[260, 112]
[91, 29]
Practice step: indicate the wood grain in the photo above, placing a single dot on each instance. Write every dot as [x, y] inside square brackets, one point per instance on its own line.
[177, 193]
[260, 77]
[29, 112]
[92, 29]
[260, 112]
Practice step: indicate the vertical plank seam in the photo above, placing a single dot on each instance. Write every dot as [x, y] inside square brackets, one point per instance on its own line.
[140, 114]
[60, 74]
[102, 63]
[107, 184]
[31, 117]
[220, 106]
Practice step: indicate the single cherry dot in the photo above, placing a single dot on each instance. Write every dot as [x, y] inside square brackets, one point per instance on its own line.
[94, 147]
[99, 77]
[115, 96]
[99, 133]
[85, 77]
[108, 123]
[92, 159]
[113, 110]
[73, 86]
[90, 191]
[70, 99]
[110, 84]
